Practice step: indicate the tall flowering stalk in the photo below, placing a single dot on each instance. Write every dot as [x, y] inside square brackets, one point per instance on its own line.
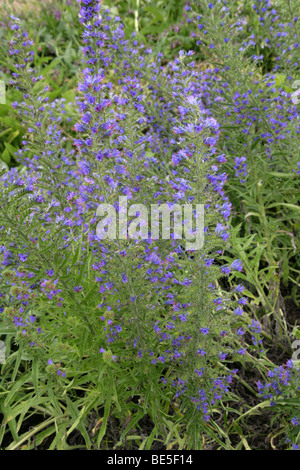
[134, 314]
[248, 87]
[193, 154]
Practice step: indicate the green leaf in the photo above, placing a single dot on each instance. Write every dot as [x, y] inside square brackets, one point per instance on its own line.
[10, 148]
[102, 431]
[35, 374]
[6, 156]
[77, 417]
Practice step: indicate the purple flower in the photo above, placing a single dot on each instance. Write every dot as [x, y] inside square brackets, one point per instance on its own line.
[237, 265]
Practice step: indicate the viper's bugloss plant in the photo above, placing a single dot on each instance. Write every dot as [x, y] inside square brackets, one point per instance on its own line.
[138, 324]
[281, 393]
[248, 85]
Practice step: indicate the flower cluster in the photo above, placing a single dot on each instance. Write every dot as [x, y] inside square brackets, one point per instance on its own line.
[257, 108]
[282, 390]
